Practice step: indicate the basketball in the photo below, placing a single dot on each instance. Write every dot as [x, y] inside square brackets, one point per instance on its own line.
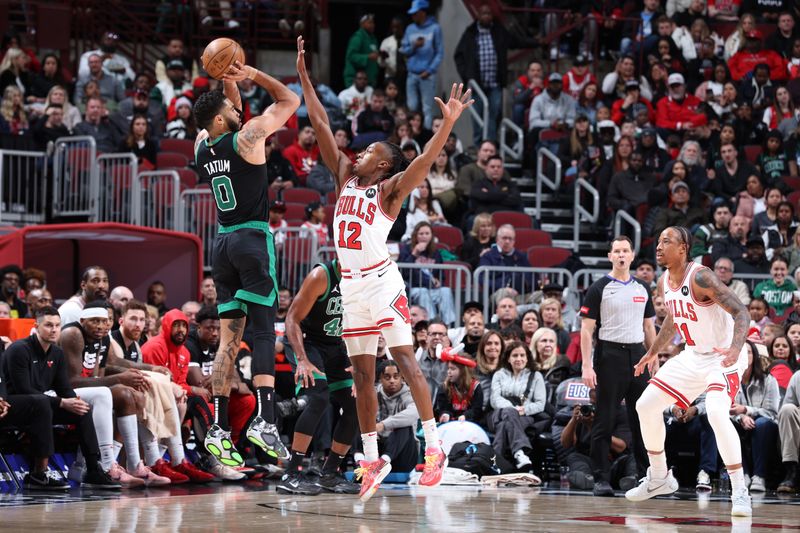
[219, 55]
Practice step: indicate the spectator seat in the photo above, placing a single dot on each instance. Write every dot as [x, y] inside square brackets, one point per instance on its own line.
[300, 195]
[179, 146]
[751, 153]
[449, 235]
[547, 256]
[295, 212]
[527, 238]
[171, 160]
[515, 218]
[286, 136]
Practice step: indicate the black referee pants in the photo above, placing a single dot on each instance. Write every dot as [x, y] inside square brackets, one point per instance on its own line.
[613, 364]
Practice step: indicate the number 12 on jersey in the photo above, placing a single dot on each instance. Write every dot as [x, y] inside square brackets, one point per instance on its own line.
[351, 242]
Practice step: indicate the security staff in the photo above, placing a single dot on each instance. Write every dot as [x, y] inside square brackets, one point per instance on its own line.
[618, 306]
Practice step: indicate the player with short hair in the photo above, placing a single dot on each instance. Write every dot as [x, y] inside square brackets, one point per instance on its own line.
[370, 194]
[232, 158]
[713, 323]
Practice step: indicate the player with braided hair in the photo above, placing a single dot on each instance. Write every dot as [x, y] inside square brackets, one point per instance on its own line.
[370, 193]
[713, 323]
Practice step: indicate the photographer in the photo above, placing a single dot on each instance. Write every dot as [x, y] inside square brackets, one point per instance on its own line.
[577, 441]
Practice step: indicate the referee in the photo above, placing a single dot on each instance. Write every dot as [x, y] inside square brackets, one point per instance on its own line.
[620, 309]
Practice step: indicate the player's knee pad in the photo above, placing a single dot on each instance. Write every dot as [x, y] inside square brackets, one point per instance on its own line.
[347, 425]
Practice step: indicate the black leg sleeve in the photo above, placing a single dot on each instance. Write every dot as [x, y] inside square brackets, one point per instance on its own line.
[262, 319]
[347, 426]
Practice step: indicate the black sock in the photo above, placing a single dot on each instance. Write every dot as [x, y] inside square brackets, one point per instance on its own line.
[296, 462]
[332, 463]
[266, 404]
[221, 412]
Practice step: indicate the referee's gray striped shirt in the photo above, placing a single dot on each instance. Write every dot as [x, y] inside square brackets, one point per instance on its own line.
[619, 309]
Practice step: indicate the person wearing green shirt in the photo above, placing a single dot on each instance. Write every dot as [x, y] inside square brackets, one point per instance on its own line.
[362, 52]
[778, 290]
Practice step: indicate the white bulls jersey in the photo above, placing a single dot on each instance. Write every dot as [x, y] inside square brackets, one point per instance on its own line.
[703, 326]
[360, 227]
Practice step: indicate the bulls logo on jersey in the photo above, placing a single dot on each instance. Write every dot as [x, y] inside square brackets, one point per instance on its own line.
[400, 304]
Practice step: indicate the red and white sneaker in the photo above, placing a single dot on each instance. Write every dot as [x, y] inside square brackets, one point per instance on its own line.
[435, 463]
[194, 474]
[151, 479]
[164, 469]
[121, 476]
[371, 475]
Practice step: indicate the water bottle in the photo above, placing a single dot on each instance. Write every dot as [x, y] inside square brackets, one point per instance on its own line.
[564, 471]
[724, 483]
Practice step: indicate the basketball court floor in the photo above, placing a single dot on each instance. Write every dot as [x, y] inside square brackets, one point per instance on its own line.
[257, 507]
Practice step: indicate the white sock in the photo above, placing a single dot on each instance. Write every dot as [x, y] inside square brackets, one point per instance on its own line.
[117, 448]
[658, 465]
[737, 479]
[431, 435]
[106, 456]
[175, 447]
[150, 446]
[130, 438]
[370, 441]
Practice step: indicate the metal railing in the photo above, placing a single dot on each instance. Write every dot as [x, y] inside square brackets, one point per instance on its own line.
[75, 186]
[23, 186]
[583, 278]
[579, 211]
[199, 217]
[115, 175]
[508, 276]
[543, 179]
[156, 199]
[481, 119]
[443, 301]
[623, 215]
[297, 252]
[513, 151]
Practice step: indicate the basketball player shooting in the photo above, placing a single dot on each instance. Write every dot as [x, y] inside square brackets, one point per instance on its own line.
[713, 323]
[231, 158]
[370, 193]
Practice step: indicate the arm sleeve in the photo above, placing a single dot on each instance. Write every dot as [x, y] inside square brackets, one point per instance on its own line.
[353, 56]
[407, 417]
[793, 391]
[405, 45]
[19, 374]
[498, 402]
[609, 83]
[772, 400]
[591, 304]
[438, 50]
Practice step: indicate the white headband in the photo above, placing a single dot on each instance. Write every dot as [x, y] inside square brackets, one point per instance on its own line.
[94, 312]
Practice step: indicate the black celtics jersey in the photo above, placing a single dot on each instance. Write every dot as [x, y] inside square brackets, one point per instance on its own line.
[240, 188]
[95, 353]
[324, 322]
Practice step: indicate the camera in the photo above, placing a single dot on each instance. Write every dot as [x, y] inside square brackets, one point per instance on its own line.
[587, 410]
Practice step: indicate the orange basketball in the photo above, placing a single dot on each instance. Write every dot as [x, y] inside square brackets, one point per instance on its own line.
[219, 55]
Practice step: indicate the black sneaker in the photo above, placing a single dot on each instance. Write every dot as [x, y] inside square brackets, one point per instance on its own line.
[47, 480]
[296, 483]
[337, 483]
[99, 479]
[602, 488]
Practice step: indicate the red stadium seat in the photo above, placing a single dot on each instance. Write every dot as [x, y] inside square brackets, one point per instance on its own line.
[330, 198]
[793, 182]
[450, 277]
[188, 177]
[296, 212]
[526, 238]
[171, 160]
[552, 135]
[751, 152]
[547, 256]
[450, 236]
[515, 218]
[301, 195]
[794, 197]
[286, 136]
[179, 146]
[272, 194]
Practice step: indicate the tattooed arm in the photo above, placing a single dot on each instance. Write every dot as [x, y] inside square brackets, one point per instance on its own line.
[707, 286]
[662, 340]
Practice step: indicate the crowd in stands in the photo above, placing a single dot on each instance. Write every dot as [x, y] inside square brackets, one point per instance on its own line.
[692, 125]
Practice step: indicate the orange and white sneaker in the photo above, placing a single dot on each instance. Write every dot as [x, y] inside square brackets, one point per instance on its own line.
[151, 479]
[435, 463]
[121, 476]
[371, 475]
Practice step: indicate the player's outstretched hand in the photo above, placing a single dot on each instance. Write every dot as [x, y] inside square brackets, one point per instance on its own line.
[648, 361]
[457, 102]
[731, 356]
[237, 72]
[301, 57]
[305, 373]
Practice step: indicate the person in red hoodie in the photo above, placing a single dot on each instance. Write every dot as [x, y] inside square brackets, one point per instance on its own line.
[677, 112]
[744, 61]
[624, 107]
[303, 154]
[168, 350]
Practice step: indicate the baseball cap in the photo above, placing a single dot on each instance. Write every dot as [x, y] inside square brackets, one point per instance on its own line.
[754, 34]
[418, 5]
[649, 131]
[606, 124]
[678, 185]
[199, 82]
[552, 287]
[554, 77]
[176, 64]
[631, 84]
[364, 18]
[754, 241]
[675, 79]
[471, 305]
[580, 60]
[278, 206]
